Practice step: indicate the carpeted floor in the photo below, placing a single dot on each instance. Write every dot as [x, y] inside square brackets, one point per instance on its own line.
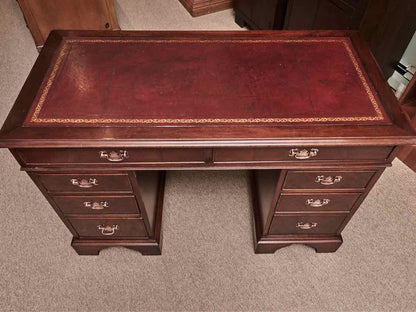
[208, 261]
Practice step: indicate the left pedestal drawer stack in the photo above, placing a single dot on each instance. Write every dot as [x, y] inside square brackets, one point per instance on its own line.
[104, 207]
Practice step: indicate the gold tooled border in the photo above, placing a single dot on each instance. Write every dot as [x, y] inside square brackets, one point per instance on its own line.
[64, 50]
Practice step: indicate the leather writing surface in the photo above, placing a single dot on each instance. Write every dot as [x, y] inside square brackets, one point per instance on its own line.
[123, 82]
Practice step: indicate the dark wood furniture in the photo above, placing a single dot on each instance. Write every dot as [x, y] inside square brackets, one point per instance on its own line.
[202, 7]
[387, 25]
[260, 14]
[407, 154]
[408, 97]
[325, 14]
[42, 16]
[100, 119]
[300, 14]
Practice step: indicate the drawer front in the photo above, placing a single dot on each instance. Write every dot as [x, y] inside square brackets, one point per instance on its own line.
[316, 202]
[111, 155]
[85, 182]
[306, 224]
[327, 179]
[97, 204]
[302, 154]
[109, 228]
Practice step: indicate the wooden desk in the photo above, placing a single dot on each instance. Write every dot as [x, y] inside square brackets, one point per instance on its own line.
[103, 115]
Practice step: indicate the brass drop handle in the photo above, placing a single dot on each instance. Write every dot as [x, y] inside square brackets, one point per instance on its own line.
[84, 183]
[329, 180]
[316, 203]
[306, 226]
[108, 230]
[303, 154]
[96, 205]
[114, 156]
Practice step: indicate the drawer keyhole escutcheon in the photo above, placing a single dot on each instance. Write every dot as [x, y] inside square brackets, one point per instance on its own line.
[303, 154]
[306, 226]
[108, 230]
[316, 203]
[96, 205]
[84, 183]
[329, 180]
[114, 156]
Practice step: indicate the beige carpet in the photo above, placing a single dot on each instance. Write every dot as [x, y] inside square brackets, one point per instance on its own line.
[208, 261]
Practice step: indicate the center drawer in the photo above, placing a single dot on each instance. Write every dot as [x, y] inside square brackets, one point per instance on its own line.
[87, 204]
[85, 182]
[109, 228]
[112, 155]
[301, 154]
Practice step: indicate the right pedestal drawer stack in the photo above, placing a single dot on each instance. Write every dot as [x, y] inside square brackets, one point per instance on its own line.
[317, 202]
[310, 205]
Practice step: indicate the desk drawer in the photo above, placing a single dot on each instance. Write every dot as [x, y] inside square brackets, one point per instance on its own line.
[111, 155]
[109, 228]
[327, 179]
[316, 202]
[306, 224]
[302, 154]
[85, 182]
[87, 204]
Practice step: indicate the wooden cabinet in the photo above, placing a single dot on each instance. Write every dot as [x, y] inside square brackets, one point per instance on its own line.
[300, 14]
[202, 7]
[42, 16]
[260, 14]
[388, 26]
[324, 14]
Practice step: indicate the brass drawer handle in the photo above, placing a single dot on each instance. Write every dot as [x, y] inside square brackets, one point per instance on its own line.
[306, 226]
[84, 183]
[108, 230]
[303, 154]
[328, 180]
[316, 203]
[96, 205]
[114, 156]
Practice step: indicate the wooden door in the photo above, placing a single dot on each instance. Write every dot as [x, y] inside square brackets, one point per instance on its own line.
[42, 16]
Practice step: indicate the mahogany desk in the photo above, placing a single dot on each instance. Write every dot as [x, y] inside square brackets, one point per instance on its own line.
[103, 115]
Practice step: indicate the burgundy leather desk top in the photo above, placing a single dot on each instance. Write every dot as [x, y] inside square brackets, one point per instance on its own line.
[129, 81]
[246, 88]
